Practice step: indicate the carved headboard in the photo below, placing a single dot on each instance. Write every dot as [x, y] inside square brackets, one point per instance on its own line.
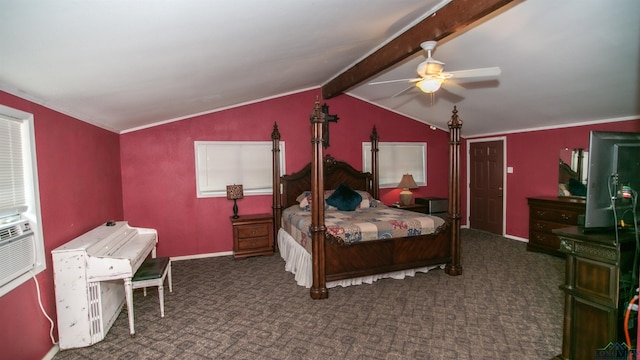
[335, 172]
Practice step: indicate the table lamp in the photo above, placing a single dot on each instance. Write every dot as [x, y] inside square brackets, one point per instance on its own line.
[407, 183]
[234, 192]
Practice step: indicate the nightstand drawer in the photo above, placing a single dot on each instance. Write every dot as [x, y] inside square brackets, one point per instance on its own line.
[253, 243]
[251, 231]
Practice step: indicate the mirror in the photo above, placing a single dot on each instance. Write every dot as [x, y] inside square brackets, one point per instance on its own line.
[572, 172]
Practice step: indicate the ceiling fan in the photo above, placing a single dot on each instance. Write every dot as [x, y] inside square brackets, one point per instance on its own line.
[431, 74]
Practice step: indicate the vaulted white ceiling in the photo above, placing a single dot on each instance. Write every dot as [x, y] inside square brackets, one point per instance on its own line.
[125, 65]
[563, 62]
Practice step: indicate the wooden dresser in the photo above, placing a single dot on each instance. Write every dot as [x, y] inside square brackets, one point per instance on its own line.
[252, 235]
[547, 214]
[598, 286]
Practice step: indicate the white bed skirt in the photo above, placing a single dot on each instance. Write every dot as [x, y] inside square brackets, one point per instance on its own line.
[298, 262]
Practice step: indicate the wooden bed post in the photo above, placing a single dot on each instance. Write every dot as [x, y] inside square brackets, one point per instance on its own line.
[455, 124]
[319, 287]
[277, 198]
[374, 163]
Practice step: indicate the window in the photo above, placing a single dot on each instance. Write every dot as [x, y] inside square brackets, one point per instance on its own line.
[396, 159]
[19, 200]
[222, 163]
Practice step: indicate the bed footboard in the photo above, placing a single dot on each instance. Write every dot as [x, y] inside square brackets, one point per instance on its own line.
[389, 255]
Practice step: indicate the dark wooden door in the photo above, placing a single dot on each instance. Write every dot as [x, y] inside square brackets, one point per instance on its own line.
[486, 186]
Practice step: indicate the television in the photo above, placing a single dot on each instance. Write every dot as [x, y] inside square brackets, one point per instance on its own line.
[613, 180]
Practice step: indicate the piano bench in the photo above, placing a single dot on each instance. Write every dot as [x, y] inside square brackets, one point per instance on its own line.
[152, 272]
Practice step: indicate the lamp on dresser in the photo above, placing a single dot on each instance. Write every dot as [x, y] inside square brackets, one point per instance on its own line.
[407, 183]
[234, 192]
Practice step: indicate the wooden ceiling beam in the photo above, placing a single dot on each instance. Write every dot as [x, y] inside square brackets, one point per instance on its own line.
[453, 17]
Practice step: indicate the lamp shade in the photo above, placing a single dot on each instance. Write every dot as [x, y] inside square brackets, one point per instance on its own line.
[234, 192]
[407, 182]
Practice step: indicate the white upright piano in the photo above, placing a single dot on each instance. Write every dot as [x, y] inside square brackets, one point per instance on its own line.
[92, 275]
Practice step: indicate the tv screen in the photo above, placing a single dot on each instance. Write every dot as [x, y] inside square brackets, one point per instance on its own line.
[613, 179]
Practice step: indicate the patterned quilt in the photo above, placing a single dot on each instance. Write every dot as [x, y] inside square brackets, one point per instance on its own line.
[360, 225]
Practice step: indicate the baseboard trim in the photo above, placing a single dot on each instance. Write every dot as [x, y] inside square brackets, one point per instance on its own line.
[201, 256]
[54, 350]
[516, 238]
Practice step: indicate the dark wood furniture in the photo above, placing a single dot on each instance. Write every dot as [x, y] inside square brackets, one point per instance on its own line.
[597, 287]
[332, 260]
[421, 208]
[547, 214]
[252, 235]
[435, 206]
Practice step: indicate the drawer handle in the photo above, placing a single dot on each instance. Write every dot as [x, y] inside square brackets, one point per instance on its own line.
[565, 217]
[540, 213]
[541, 226]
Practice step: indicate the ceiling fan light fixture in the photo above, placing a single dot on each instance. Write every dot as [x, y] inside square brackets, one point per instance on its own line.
[429, 85]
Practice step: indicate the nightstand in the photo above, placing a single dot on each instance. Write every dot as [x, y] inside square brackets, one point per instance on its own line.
[421, 208]
[435, 206]
[252, 235]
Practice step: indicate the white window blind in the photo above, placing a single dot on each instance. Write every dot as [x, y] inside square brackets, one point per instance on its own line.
[396, 159]
[246, 163]
[19, 193]
[12, 183]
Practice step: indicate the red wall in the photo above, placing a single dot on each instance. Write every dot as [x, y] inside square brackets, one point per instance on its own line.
[80, 188]
[158, 164]
[534, 158]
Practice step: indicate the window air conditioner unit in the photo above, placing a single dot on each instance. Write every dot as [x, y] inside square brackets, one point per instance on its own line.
[17, 250]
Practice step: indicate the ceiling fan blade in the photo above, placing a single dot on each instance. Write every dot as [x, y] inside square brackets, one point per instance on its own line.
[453, 87]
[483, 72]
[393, 81]
[404, 90]
[446, 93]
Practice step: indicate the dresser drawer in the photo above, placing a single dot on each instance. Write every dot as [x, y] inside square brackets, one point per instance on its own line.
[566, 217]
[251, 231]
[544, 226]
[544, 239]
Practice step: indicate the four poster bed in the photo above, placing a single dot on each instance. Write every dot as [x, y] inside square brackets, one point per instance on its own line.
[323, 250]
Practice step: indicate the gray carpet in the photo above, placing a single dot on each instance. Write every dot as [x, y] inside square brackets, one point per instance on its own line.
[506, 305]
